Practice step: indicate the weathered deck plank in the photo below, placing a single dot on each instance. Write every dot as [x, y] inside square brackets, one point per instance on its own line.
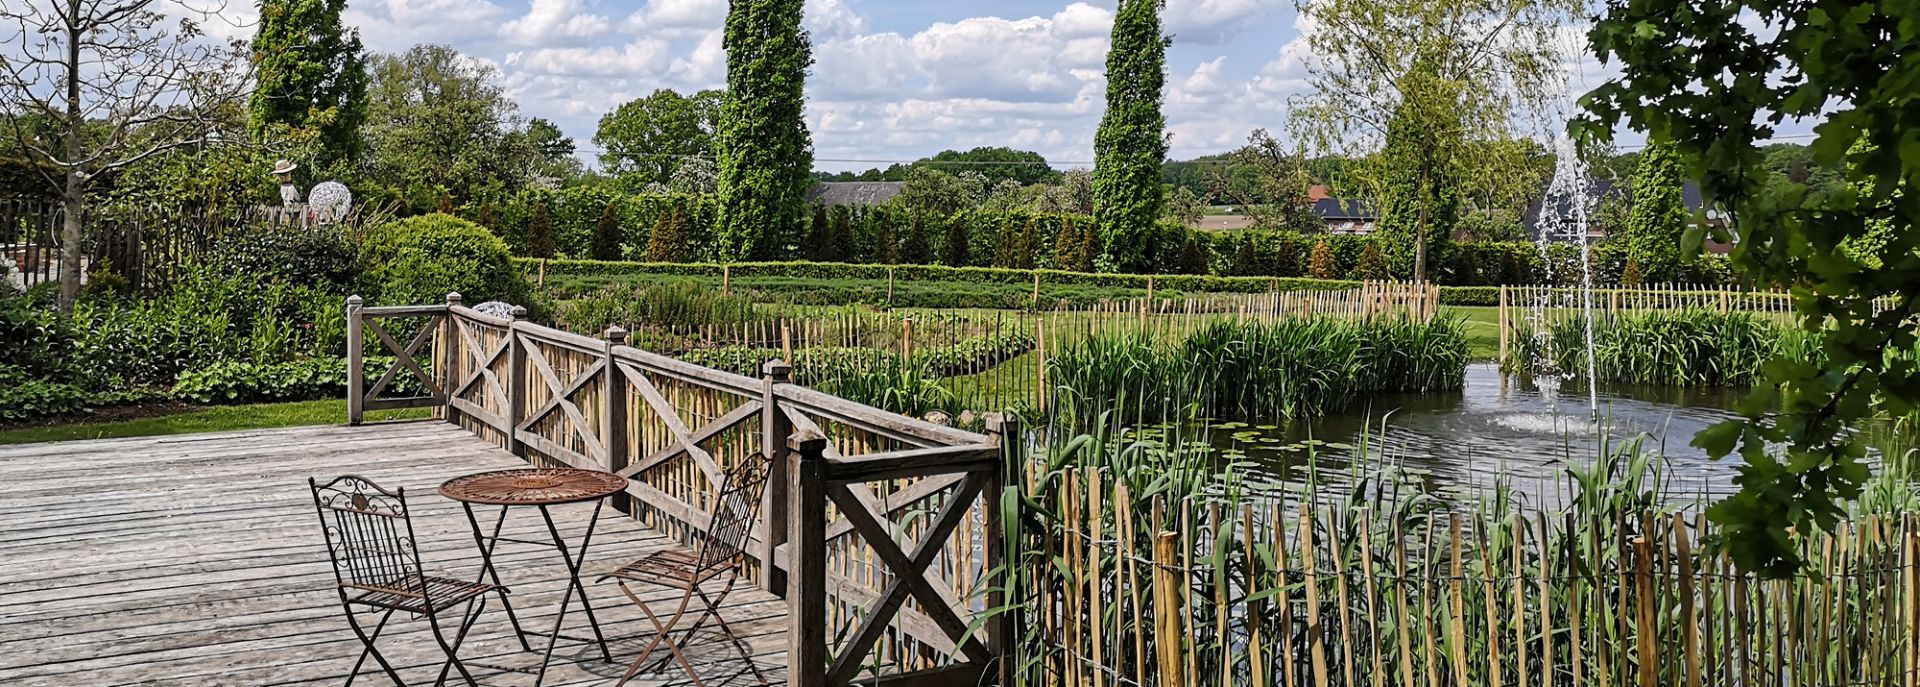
[196, 560]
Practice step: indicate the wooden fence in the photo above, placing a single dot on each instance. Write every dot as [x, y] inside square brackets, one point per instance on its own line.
[149, 244]
[987, 360]
[876, 529]
[1127, 592]
[1524, 309]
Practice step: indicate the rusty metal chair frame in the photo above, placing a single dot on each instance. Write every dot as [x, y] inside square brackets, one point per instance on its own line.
[376, 565]
[719, 553]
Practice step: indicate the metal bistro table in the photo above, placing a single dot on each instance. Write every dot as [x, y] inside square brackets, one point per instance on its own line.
[540, 488]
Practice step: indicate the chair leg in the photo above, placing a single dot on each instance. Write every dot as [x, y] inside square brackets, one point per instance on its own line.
[453, 656]
[740, 645]
[475, 607]
[660, 635]
[368, 649]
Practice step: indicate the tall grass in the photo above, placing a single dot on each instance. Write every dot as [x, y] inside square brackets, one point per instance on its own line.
[1685, 348]
[1288, 368]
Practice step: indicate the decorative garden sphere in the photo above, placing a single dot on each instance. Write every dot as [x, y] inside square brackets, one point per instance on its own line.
[329, 201]
[495, 309]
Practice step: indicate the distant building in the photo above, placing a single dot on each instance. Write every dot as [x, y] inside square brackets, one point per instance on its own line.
[1601, 189]
[855, 193]
[1346, 215]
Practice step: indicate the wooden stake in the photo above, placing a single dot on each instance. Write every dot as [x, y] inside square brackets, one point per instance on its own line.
[1166, 605]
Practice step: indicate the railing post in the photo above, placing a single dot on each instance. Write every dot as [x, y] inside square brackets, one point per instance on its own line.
[516, 381]
[775, 427]
[1008, 433]
[450, 350]
[807, 552]
[613, 424]
[356, 369]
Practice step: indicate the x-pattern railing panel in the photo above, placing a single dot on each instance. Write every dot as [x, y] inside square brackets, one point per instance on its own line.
[572, 424]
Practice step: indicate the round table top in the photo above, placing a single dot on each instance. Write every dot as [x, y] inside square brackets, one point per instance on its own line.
[533, 486]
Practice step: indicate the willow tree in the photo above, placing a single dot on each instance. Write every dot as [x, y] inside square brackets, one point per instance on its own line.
[765, 155]
[1131, 142]
[1438, 81]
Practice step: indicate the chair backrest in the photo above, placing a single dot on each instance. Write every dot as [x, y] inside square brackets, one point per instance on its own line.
[733, 513]
[369, 536]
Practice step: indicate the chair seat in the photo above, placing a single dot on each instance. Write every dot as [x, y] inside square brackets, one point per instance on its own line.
[674, 568]
[444, 591]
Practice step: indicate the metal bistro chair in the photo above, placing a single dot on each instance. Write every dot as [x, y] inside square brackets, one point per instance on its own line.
[370, 538]
[719, 553]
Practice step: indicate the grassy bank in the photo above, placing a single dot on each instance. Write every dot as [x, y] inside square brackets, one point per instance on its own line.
[204, 419]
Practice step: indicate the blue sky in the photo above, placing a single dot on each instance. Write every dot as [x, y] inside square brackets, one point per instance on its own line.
[892, 80]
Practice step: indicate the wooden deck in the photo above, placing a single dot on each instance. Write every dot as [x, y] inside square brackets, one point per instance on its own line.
[197, 560]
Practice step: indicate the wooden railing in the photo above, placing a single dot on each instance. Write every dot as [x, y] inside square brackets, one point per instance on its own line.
[877, 591]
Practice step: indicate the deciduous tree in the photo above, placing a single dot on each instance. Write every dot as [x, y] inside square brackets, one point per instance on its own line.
[91, 87]
[646, 140]
[1716, 85]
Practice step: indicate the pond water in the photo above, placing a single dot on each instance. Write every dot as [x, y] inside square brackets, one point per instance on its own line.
[1495, 428]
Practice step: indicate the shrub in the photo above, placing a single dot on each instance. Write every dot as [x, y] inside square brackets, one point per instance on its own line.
[421, 259]
[313, 256]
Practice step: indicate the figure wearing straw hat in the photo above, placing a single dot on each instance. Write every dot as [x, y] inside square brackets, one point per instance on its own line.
[289, 194]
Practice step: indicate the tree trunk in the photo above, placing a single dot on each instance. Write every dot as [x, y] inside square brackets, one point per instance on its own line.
[1420, 229]
[73, 205]
[72, 195]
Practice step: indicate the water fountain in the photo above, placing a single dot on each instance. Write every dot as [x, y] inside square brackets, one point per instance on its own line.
[1564, 212]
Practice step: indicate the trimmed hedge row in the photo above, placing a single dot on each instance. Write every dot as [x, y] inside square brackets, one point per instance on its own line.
[916, 274]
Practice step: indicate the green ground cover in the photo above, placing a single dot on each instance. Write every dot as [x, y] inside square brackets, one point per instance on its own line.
[206, 419]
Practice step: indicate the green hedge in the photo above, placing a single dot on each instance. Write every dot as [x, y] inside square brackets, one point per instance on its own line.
[928, 285]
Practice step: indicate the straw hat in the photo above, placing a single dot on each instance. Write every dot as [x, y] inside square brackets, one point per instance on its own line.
[284, 167]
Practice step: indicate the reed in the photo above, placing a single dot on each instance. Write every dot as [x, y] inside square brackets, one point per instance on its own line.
[1683, 348]
[1286, 368]
[1371, 581]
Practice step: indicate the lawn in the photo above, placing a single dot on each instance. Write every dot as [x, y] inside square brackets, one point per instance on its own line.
[206, 419]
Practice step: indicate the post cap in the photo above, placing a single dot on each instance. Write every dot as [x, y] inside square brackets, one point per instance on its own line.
[354, 300]
[519, 312]
[453, 298]
[616, 334]
[776, 368]
[808, 442]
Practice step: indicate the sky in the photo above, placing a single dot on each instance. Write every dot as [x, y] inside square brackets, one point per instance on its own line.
[892, 80]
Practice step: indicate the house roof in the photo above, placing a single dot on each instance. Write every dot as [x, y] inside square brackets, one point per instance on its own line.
[852, 192]
[1344, 209]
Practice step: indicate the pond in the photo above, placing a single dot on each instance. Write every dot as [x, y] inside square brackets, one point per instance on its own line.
[1497, 427]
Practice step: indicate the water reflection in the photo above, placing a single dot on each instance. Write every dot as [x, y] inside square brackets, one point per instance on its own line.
[1459, 444]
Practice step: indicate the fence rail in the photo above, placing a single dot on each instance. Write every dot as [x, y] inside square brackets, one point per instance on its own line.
[879, 592]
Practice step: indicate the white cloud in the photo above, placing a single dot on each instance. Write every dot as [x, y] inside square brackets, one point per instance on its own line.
[639, 57]
[1211, 22]
[661, 15]
[396, 25]
[704, 67]
[550, 22]
[831, 19]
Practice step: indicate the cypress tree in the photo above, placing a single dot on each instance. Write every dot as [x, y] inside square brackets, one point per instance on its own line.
[820, 238]
[1130, 145]
[844, 246]
[310, 80]
[606, 234]
[917, 250]
[1193, 256]
[540, 232]
[672, 238]
[885, 247]
[765, 157]
[1659, 214]
[1246, 260]
[958, 253]
[1372, 263]
[1320, 263]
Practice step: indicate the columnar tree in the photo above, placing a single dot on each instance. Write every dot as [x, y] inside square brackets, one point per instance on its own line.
[1418, 186]
[1131, 143]
[311, 82]
[764, 153]
[91, 87]
[1658, 218]
[1453, 77]
[1716, 83]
